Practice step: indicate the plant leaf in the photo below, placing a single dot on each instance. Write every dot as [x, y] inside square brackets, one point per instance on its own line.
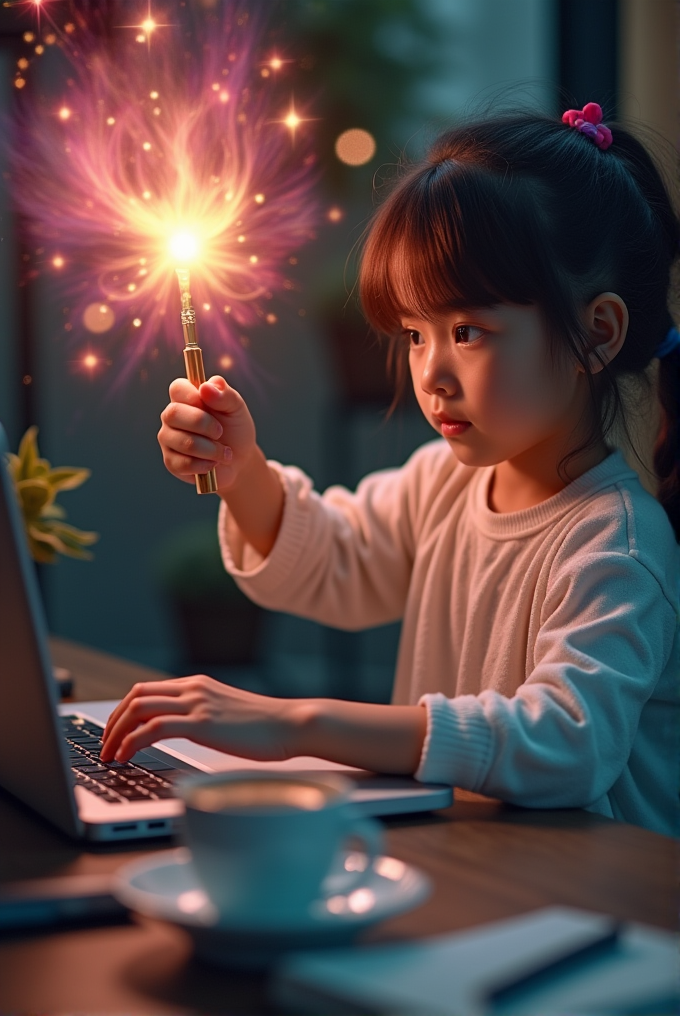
[67, 477]
[41, 552]
[53, 511]
[63, 538]
[35, 495]
[28, 453]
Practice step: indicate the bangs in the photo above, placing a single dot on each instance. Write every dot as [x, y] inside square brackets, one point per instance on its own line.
[451, 235]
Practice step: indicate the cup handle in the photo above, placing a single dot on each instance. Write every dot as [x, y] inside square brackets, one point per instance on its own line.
[371, 834]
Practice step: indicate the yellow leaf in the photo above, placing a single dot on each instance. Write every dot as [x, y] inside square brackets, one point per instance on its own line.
[28, 453]
[67, 477]
[35, 495]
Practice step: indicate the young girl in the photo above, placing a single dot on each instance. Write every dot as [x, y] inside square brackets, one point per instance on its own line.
[523, 271]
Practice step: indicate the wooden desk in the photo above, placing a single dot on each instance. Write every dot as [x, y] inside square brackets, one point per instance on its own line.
[487, 861]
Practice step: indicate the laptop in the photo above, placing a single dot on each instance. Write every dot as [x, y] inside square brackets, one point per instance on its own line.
[49, 754]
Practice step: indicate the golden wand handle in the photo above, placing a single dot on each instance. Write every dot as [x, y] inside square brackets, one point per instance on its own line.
[206, 483]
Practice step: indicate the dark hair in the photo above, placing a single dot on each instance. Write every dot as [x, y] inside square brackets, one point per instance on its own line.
[521, 208]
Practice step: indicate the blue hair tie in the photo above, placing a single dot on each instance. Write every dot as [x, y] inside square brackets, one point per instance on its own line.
[671, 342]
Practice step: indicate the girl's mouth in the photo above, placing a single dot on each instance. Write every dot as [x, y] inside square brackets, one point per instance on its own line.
[452, 428]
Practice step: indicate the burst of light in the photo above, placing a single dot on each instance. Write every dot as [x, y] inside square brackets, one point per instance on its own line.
[224, 96]
[137, 322]
[19, 82]
[276, 63]
[147, 146]
[335, 214]
[64, 113]
[355, 147]
[271, 319]
[206, 306]
[183, 247]
[140, 38]
[148, 25]
[92, 201]
[153, 95]
[226, 362]
[29, 36]
[90, 361]
[292, 120]
[22, 63]
[259, 199]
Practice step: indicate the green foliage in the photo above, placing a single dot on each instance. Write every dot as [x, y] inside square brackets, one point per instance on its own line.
[37, 485]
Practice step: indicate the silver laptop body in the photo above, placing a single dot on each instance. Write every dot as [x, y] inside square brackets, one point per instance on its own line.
[35, 765]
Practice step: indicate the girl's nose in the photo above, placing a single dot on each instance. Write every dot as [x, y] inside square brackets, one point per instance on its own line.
[438, 377]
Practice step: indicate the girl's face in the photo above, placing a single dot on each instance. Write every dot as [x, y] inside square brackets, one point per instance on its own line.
[486, 381]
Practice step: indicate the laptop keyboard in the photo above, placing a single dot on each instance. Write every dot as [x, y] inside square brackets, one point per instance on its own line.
[143, 778]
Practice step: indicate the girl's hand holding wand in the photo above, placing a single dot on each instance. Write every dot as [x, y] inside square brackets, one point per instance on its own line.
[212, 427]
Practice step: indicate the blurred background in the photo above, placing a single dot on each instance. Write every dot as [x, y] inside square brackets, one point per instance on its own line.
[396, 71]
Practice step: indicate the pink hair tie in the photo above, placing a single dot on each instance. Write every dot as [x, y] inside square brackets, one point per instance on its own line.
[589, 122]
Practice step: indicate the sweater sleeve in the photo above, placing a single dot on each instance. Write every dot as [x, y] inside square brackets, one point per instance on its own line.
[605, 638]
[343, 559]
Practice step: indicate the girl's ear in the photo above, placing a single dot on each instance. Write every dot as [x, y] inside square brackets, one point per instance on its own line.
[606, 319]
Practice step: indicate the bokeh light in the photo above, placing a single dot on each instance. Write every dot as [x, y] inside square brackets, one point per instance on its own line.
[355, 147]
[98, 318]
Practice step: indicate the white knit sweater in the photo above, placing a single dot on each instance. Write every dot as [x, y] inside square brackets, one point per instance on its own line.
[544, 643]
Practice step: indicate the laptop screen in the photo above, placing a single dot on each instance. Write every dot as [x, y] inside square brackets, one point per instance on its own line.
[33, 762]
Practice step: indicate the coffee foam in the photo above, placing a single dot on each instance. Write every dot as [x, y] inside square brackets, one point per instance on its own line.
[255, 795]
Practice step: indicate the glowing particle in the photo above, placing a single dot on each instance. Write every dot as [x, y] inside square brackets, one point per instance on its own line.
[98, 318]
[355, 147]
[226, 362]
[131, 287]
[292, 120]
[335, 214]
[27, 379]
[142, 261]
[110, 120]
[276, 63]
[58, 261]
[147, 146]
[64, 113]
[206, 306]
[29, 36]
[292, 261]
[19, 82]
[157, 111]
[259, 199]
[69, 28]
[265, 72]
[271, 319]
[50, 39]
[90, 361]
[68, 326]
[140, 38]
[148, 25]
[227, 309]
[253, 259]
[229, 196]
[22, 63]
[184, 246]
[142, 272]
[40, 50]
[216, 87]
[153, 95]
[146, 195]
[224, 96]
[137, 322]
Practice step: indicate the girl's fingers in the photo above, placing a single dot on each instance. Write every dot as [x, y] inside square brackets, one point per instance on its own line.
[155, 729]
[138, 711]
[180, 418]
[173, 687]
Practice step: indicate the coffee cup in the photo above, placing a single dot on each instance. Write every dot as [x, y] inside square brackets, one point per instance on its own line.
[263, 843]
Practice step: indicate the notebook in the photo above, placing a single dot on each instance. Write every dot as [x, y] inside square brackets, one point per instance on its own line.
[545, 963]
[49, 756]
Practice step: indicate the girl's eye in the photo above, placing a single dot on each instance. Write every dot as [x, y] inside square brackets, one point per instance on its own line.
[467, 334]
[414, 337]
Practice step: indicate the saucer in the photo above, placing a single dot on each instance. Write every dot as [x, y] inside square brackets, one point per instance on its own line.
[165, 886]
